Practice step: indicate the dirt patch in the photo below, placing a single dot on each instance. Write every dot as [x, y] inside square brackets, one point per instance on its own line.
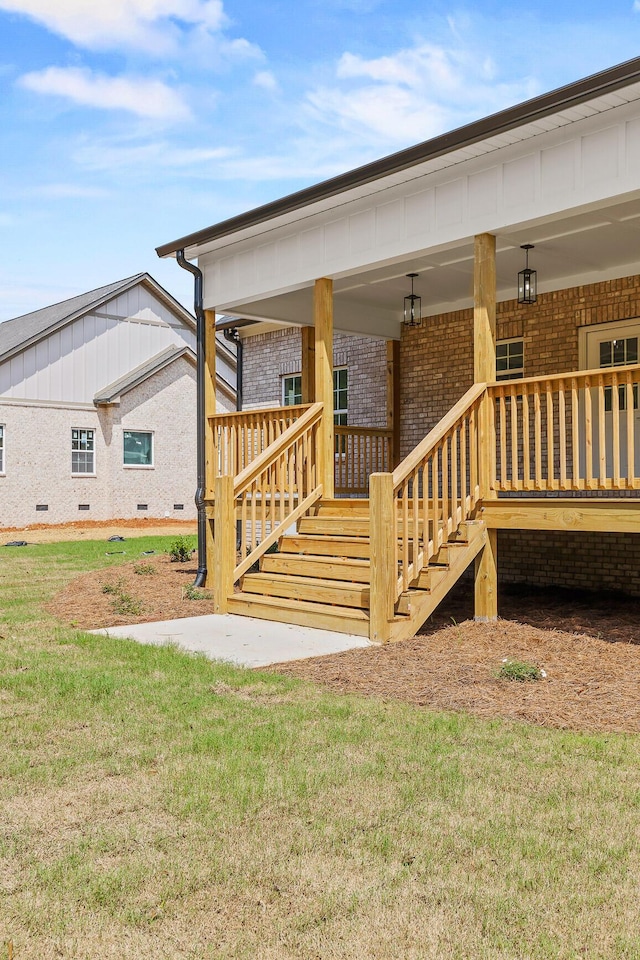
[588, 645]
[153, 586]
[86, 530]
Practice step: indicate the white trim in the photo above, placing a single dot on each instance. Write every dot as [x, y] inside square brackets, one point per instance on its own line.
[632, 323]
[140, 466]
[89, 473]
[50, 404]
[3, 450]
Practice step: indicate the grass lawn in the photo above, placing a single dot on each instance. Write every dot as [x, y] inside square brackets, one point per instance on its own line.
[157, 805]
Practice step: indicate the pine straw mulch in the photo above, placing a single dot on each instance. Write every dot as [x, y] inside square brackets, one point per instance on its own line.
[588, 645]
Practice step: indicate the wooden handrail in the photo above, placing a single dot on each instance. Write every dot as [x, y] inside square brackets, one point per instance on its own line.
[246, 477]
[569, 375]
[404, 470]
[348, 429]
[263, 413]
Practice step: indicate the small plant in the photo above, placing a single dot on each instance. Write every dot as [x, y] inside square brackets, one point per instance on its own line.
[112, 587]
[126, 605]
[520, 671]
[193, 593]
[181, 549]
[145, 569]
[122, 602]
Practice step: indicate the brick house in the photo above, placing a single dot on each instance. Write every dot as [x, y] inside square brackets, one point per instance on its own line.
[97, 407]
[502, 430]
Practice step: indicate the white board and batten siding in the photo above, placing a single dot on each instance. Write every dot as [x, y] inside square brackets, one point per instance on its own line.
[73, 363]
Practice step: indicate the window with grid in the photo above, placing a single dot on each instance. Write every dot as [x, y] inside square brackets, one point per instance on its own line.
[340, 397]
[1, 448]
[619, 353]
[510, 359]
[82, 451]
[291, 391]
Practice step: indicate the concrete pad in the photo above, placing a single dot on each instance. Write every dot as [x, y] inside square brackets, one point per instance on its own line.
[244, 641]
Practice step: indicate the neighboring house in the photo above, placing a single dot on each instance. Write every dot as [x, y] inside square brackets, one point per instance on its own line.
[513, 422]
[98, 407]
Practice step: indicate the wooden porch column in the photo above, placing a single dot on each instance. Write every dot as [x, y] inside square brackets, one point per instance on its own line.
[308, 364]
[393, 398]
[323, 324]
[484, 368]
[384, 564]
[223, 552]
[209, 411]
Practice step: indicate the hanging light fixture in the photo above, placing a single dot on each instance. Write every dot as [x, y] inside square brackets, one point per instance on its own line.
[527, 279]
[412, 306]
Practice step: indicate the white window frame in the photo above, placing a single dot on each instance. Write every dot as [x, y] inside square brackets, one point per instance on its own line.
[92, 450]
[283, 380]
[140, 466]
[2, 450]
[511, 373]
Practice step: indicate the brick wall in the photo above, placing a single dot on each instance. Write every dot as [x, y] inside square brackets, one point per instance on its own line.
[436, 368]
[38, 455]
[269, 357]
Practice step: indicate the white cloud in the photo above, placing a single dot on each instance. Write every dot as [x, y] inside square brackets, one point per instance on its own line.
[155, 26]
[151, 99]
[104, 155]
[266, 80]
[636, 4]
[413, 94]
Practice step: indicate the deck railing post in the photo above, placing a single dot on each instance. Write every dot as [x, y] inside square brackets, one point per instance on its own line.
[384, 565]
[224, 543]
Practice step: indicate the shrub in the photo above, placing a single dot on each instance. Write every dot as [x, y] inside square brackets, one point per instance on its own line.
[145, 569]
[181, 549]
[193, 593]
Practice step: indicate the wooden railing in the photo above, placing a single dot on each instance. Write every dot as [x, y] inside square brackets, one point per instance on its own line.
[267, 497]
[574, 431]
[416, 508]
[360, 451]
[238, 438]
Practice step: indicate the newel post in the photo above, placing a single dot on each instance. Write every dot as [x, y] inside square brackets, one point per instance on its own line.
[384, 565]
[224, 543]
[484, 351]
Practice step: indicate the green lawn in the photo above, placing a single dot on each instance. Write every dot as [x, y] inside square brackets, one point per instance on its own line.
[157, 805]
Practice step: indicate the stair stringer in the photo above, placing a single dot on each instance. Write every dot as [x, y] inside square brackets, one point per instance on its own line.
[424, 602]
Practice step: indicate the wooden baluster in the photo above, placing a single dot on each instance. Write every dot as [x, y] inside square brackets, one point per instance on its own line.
[526, 441]
[473, 455]
[575, 435]
[588, 433]
[405, 535]
[463, 469]
[435, 496]
[551, 464]
[562, 435]
[515, 472]
[454, 478]
[537, 435]
[244, 538]
[631, 458]
[615, 407]
[503, 484]
[602, 436]
[445, 487]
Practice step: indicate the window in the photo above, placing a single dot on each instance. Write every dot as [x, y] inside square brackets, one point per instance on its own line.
[292, 394]
[82, 452]
[1, 448]
[618, 353]
[340, 397]
[291, 391]
[510, 359]
[138, 448]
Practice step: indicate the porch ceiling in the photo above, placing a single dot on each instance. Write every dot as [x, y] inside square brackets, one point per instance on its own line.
[598, 244]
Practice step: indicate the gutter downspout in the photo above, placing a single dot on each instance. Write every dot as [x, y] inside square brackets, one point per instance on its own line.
[201, 574]
[232, 335]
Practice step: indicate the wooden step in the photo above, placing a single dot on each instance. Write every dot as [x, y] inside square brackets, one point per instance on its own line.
[310, 565]
[319, 615]
[335, 526]
[326, 546]
[313, 589]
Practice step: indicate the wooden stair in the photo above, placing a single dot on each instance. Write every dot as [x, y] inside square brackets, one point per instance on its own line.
[320, 575]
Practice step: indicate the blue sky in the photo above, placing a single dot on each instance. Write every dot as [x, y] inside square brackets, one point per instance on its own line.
[128, 123]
